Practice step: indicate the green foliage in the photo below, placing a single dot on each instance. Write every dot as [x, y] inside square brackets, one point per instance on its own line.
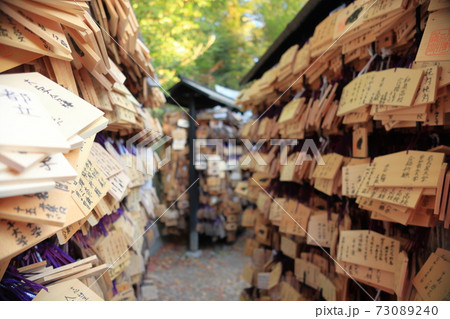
[212, 42]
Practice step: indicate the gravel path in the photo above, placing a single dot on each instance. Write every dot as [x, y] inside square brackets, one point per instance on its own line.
[215, 275]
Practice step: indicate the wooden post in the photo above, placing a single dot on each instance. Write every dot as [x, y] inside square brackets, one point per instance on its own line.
[193, 175]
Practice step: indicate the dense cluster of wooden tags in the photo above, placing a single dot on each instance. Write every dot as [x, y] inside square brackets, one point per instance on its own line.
[220, 210]
[81, 32]
[70, 71]
[304, 95]
[406, 188]
[79, 52]
[397, 97]
[175, 175]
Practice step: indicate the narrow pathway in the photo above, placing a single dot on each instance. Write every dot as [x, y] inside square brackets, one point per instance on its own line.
[215, 275]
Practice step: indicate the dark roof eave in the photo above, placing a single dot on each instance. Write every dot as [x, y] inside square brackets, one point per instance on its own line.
[179, 91]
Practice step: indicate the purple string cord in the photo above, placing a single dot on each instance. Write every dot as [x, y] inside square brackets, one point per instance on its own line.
[14, 286]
